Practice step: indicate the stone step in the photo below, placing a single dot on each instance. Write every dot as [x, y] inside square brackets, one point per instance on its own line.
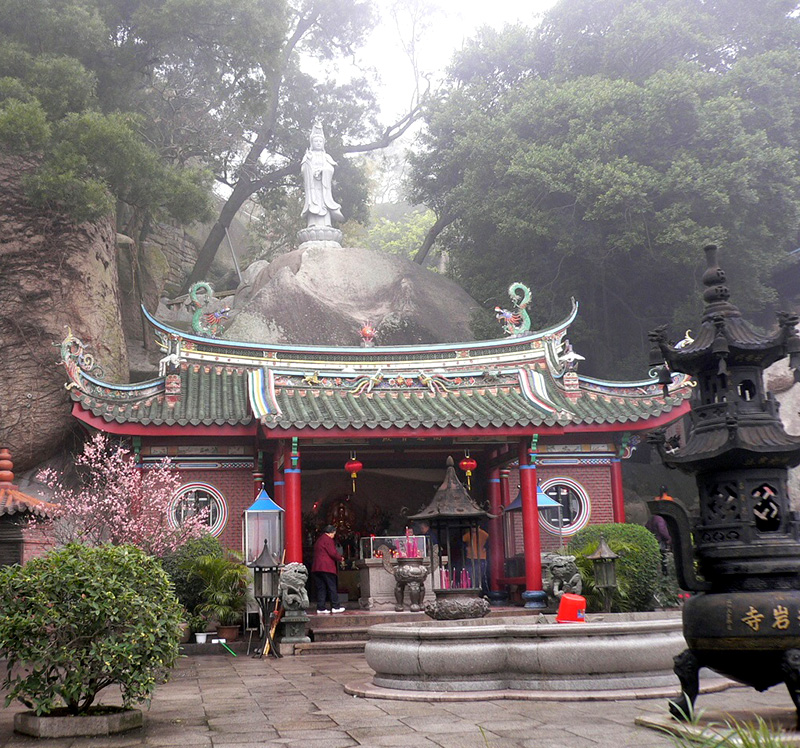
[334, 647]
[340, 633]
[357, 618]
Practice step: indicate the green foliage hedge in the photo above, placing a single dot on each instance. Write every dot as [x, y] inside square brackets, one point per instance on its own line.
[638, 566]
[81, 619]
[180, 569]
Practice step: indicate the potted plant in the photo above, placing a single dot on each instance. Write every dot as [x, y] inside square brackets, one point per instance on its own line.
[195, 624]
[76, 621]
[224, 592]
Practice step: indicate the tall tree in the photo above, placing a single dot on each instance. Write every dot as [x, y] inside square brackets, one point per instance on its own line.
[272, 141]
[72, 94]
[143, 100]
[597, 153]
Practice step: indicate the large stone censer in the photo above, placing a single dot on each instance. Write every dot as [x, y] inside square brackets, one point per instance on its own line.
[745, 621]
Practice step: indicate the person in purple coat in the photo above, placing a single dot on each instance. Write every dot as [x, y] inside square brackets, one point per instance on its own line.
[324, 568]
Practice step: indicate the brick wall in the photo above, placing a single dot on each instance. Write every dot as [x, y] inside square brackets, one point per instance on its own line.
[596, 481]
[36, 540]
[236, 485]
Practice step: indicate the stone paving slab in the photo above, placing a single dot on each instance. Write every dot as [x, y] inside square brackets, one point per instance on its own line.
[220, 701]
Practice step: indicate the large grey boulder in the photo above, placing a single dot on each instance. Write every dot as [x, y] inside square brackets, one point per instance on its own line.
[323, 295]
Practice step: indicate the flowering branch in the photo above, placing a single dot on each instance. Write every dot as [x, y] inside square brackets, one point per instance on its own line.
[118, 503]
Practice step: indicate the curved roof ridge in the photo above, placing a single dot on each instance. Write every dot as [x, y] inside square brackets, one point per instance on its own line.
[387, 350]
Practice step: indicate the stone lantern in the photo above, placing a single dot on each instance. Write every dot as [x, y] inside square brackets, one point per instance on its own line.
[455, 543]
[604, 561]
[745, 621]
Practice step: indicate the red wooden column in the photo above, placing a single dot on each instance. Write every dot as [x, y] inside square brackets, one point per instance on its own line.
[533, 596]
[496, 551]
[617, 494]
[279, 485]
[294, 516]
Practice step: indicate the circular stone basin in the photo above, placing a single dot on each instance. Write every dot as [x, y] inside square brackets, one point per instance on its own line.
[611, 655]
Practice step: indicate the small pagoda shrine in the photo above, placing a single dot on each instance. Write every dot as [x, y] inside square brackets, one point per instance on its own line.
[745, 622]
[455, 522]
[20, 538]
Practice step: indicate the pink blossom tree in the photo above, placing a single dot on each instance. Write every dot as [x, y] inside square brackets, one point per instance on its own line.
[117, 502]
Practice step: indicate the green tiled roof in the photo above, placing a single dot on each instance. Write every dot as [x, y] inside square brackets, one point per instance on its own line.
[209, 395]
[219, 395]
[483, 406]
[524, 381]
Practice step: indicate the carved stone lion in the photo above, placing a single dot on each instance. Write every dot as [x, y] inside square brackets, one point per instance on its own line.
[566, 576]
[292, 587]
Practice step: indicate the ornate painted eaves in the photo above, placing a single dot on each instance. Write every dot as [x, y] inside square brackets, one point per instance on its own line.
[502, 384]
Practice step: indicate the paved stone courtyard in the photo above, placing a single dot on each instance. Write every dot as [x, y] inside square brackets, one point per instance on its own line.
[241, 702]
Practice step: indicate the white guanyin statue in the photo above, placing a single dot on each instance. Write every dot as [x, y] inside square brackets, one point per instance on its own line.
[320, 210]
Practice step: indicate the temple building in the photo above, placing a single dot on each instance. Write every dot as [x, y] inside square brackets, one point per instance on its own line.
[513, 412]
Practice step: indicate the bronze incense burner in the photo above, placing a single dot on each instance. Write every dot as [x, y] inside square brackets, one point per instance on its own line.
[745, 620]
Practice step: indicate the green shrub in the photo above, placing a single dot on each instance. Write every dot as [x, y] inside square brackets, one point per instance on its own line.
[179, 563]
[225, 581]
[81, 619]
[667, 592]
[638, 566]
[23, 126]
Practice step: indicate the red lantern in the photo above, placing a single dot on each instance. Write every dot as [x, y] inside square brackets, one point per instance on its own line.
[353, 466]
[468, 465]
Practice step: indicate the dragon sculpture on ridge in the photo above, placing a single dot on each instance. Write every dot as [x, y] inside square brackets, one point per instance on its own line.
[518, 321]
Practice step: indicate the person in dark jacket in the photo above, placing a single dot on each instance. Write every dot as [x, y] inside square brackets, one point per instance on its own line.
[324, 568]
[658, 526]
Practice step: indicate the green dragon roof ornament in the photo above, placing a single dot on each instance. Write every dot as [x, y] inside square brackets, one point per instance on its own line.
[518, 321]
[206, 320]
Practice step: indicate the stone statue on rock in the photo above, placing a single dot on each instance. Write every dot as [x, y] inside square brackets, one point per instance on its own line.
[320, 210]
[294, 599]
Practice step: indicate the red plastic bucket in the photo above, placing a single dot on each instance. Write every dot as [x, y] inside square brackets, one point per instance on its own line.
[571, 609]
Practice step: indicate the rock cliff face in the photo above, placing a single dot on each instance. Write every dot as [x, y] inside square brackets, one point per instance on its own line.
[322, 296]
[52, 274]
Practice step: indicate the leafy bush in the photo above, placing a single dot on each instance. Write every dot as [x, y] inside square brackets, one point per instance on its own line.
[638, 566]
[225, 581]
[179, 563]
[81, 619]
[23, 125]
